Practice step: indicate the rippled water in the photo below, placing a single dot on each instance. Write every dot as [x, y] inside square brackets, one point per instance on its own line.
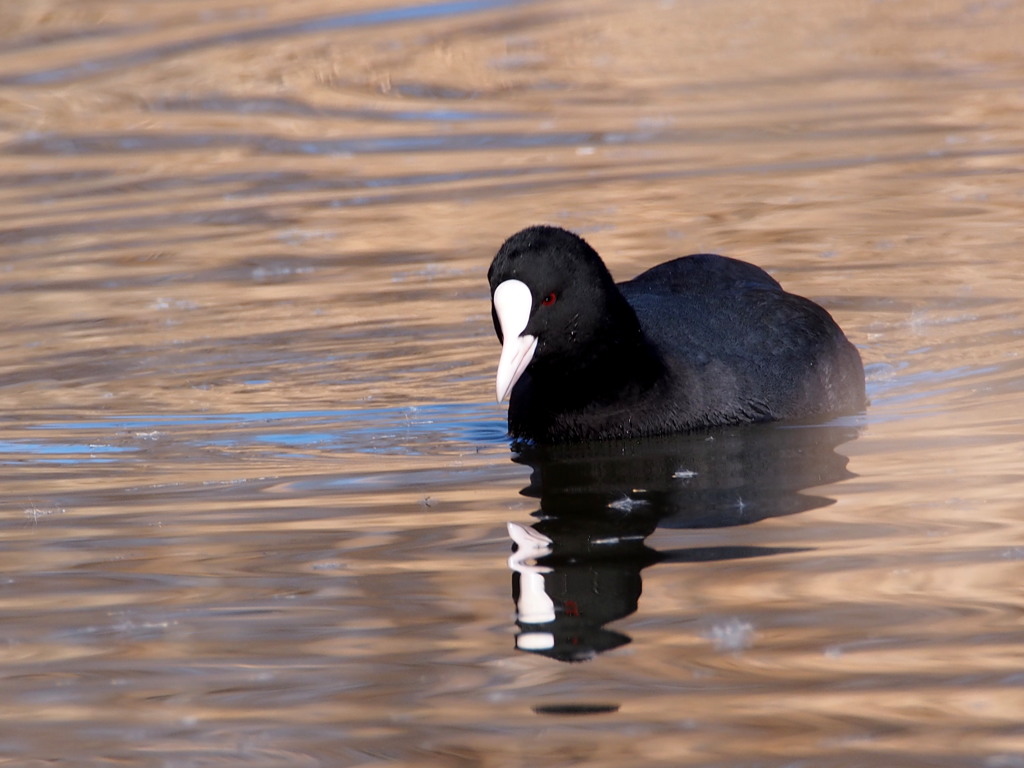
[257, 504]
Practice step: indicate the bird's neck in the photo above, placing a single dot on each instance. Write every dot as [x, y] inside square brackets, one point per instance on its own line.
[618, 364]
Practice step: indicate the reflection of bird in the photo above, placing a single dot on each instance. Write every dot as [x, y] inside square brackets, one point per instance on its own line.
[579, 566]
[699, 341]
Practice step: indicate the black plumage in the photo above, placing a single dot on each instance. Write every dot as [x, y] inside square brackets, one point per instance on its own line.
[696, 342]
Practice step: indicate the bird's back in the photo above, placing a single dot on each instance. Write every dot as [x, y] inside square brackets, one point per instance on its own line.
[739, 347]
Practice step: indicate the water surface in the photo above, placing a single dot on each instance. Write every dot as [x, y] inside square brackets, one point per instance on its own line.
[256, 499]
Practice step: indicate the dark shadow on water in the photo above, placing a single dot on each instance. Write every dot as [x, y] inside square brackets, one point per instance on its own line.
[579, 566]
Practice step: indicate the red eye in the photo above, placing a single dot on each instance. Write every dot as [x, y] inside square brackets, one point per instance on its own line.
[548, 300]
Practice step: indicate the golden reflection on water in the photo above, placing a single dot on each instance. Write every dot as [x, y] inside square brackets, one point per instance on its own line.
[254, 491]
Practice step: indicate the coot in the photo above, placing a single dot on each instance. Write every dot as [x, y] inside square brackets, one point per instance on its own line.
[696, 342]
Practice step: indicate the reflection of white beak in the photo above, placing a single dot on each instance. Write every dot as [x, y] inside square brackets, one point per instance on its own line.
[513, 303]
[535, 606]
[530, 543]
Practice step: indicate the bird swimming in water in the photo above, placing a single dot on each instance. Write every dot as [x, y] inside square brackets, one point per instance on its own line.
[696, 342]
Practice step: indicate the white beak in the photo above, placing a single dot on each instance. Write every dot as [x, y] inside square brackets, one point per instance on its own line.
[513, 303]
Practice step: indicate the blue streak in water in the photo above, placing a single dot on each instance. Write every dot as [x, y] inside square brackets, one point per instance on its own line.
[91, 67]
[374, 430]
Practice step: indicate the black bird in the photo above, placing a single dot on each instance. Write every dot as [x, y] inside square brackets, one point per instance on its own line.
[696, 342]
